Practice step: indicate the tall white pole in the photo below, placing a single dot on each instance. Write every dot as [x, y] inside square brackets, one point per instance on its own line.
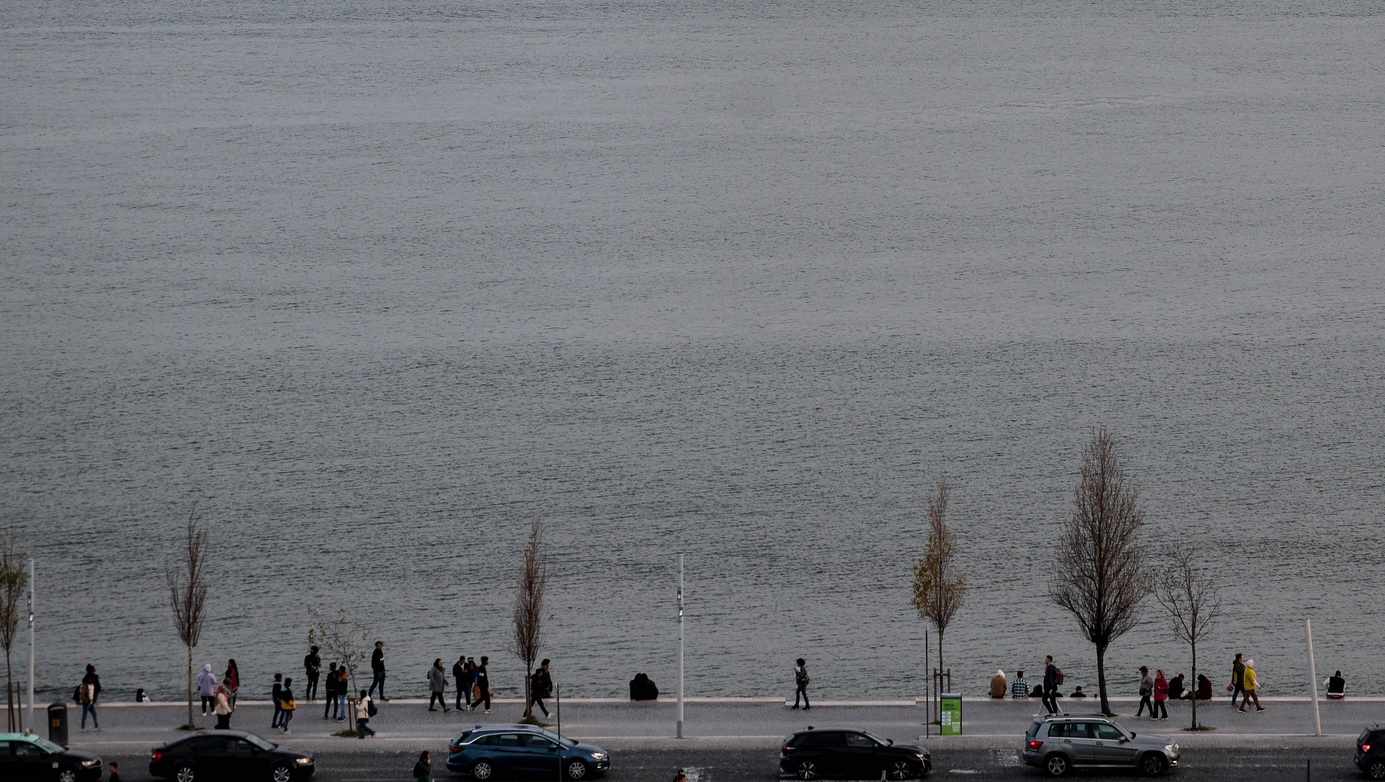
[32, 724]
[1313, 679]
[680, 646]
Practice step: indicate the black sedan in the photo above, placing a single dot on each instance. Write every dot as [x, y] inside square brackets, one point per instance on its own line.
[228, 754]
[23, 756]
[850, 754]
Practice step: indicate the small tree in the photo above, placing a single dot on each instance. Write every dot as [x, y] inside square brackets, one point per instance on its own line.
[1192, 597]
[346, 641]
[1100, 578]
[13, 579]
[528, 612]
[937, 593]
[187, 593]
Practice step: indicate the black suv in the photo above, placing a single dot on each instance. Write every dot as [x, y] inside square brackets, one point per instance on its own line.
[850, 754]
[1370, 752]
[230, 755]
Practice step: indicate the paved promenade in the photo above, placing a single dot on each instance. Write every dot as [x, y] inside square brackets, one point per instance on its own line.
[734, 722]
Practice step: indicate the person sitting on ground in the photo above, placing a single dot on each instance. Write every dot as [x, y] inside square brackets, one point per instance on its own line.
[1176, 688]
[1204, 687]
[1077, 692]
[999, 685]
[1336, 686]
[1019, 688]
[642, 688]
[681, 776]
[1037, 692]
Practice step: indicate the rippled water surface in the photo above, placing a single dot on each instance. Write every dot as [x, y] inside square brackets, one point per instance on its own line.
[377, 284]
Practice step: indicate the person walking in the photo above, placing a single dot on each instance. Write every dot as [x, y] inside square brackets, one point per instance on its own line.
[800, 683]
[423, 769]
[468, 680]
[459, 677]
[1146, 691]
[483, 685]
[329, 691]
[231, 680]
[223, 709]
[540, 687]
[277, 695]
[287, 705]
[206, 687]
[343, 687]
[437, 685]
[377, 669]
[365, 709]
[1250, 682]
[312, 666]
[115, 772]
[1050, 697]
[1238, 671]
[88, 693]
[1160, 711]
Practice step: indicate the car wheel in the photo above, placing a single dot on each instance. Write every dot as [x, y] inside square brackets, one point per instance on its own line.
[901, 769]
[281, 773]
[67, 775]
[576, 770]
[482, 770]
[1154, 765]
[1056, 765]
[185, 774]
[807, 769]
[1376, 770]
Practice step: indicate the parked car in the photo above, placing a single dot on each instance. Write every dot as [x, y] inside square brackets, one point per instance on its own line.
[850, 754]
[29, 757]
[1059, 743]
[1370, 751]
[229, 754]
[517, 751]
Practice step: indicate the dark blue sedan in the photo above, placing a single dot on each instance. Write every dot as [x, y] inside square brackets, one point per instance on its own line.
[523, 751]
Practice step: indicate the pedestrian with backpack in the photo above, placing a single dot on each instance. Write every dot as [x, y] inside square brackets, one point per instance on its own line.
[276, 695]
[1052, 678]
[365, 709]
[541, 686]
[800, 683]
[87, 694]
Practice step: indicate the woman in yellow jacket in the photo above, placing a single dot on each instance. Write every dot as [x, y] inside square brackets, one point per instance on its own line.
[1251, 683]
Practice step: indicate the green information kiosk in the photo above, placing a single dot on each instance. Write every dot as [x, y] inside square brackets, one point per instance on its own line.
[950, 714]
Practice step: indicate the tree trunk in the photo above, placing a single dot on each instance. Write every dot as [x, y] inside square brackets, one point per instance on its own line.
[940, 664]
[528, 683]
[1194, 645]
[189, 671]
[1101, 680]
[9, 691]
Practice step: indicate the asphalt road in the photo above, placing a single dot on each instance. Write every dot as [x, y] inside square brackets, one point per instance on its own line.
[712, 764]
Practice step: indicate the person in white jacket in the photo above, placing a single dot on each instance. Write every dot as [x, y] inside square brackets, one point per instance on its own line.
[206, 685]
[363, 715]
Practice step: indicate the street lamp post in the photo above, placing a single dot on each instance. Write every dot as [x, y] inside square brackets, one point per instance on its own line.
[680, 646]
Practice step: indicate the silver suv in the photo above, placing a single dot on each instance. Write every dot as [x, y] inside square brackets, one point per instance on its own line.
[1061, 742]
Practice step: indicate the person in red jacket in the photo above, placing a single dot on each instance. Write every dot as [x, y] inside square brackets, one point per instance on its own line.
[1161, 696]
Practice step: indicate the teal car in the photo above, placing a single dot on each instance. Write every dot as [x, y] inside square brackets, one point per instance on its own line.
[523, 752]
[23, 756]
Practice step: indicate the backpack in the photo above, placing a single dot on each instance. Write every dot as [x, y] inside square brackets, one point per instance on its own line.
[800, 676]
[370, 708]
[1059, 676]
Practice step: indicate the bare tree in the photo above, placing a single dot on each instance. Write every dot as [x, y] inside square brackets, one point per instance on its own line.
[1100, 577]
[345, 641]
[187, 593]
[1192, 597]
[528, 612]
[13, 579]
[937, 593]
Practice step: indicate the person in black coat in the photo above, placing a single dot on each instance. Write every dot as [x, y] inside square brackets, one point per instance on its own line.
[459, 676]
[312, 667]
[377, 669]
[541, 686]
[331, 707]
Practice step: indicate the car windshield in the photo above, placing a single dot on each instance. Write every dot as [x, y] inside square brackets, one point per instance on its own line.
[564, 740]
[1033, 730]
[259, 742]
[46, 745]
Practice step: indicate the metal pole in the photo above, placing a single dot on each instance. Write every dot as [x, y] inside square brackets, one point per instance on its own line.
[680, 646]
[31, 644]
[1313, 680]
[928, 691]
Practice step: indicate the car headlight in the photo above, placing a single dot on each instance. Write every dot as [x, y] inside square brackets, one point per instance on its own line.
[598, 756]
[91, 763]
[303, 761]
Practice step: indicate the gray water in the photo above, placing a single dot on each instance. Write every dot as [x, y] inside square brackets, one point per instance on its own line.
[376, 284]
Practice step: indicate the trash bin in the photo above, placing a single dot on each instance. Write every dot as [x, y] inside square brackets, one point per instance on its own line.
[57, 723]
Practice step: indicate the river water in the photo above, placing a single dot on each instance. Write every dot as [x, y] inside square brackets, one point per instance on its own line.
[375, 284]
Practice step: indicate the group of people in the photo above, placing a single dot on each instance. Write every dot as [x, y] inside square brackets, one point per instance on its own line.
[473, 684]
[1157, 690]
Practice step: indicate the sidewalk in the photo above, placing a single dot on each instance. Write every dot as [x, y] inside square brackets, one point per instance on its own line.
[730, 722]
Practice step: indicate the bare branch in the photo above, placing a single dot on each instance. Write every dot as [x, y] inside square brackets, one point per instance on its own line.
[528, 610]
[187, 592]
